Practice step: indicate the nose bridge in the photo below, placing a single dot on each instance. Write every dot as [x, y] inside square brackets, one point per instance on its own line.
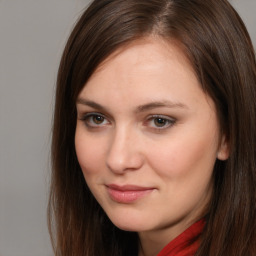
[124, 153]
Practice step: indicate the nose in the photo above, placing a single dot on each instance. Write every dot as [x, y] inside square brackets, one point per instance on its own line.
[124, 152]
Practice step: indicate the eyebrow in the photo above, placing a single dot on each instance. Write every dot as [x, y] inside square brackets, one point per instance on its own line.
[159, 104]
[90, 104]
[141, 108]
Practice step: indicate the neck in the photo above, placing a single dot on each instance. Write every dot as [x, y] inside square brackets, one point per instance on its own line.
[151, 243]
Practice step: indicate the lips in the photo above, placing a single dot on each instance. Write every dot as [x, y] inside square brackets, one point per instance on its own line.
[128, 193]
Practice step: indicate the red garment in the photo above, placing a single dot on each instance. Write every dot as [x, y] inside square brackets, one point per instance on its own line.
[181, 245]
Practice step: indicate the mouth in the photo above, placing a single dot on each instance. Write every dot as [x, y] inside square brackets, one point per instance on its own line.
[127, 193]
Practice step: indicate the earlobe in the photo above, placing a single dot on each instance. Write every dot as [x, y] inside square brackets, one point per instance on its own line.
[223, 152]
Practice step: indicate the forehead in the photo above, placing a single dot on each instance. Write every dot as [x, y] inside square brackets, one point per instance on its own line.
[148, 48]
[146, 61]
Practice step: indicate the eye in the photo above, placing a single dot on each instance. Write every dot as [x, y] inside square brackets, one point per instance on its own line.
[160, 122]
[97, 119]
[94, 120]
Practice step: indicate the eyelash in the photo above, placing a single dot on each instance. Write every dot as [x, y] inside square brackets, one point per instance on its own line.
[88, 120]
[165, 120]
[168, 122]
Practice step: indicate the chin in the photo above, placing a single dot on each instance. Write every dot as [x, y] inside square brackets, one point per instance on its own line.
[130, 223]
[128, 227]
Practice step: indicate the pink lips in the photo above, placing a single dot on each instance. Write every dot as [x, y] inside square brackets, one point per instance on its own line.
[127, 193]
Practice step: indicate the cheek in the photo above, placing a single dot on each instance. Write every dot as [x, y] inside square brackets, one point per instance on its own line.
[185, 169]
[88, 154]
[186, 155]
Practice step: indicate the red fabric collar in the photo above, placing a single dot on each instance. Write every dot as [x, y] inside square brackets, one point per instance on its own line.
[181, 246]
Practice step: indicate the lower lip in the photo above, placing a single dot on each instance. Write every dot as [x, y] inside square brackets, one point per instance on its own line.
[127, 196]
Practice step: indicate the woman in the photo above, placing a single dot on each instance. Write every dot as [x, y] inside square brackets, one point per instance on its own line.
[153, 147]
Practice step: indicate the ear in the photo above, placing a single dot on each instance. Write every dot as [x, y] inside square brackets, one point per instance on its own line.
[223, 152]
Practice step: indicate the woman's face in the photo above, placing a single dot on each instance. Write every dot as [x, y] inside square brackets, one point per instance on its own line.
[147, 138]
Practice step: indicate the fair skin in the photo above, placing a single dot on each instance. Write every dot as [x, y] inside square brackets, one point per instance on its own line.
[147, 138]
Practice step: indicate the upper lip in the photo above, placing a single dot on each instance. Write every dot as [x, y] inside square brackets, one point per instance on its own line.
[128, 187]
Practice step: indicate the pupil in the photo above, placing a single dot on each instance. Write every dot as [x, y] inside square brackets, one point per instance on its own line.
[98, 119]
[160, 122]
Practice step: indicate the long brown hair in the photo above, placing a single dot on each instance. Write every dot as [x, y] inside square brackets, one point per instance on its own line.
[220, 50]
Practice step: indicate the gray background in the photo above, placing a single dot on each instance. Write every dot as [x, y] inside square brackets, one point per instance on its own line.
[32, 36]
